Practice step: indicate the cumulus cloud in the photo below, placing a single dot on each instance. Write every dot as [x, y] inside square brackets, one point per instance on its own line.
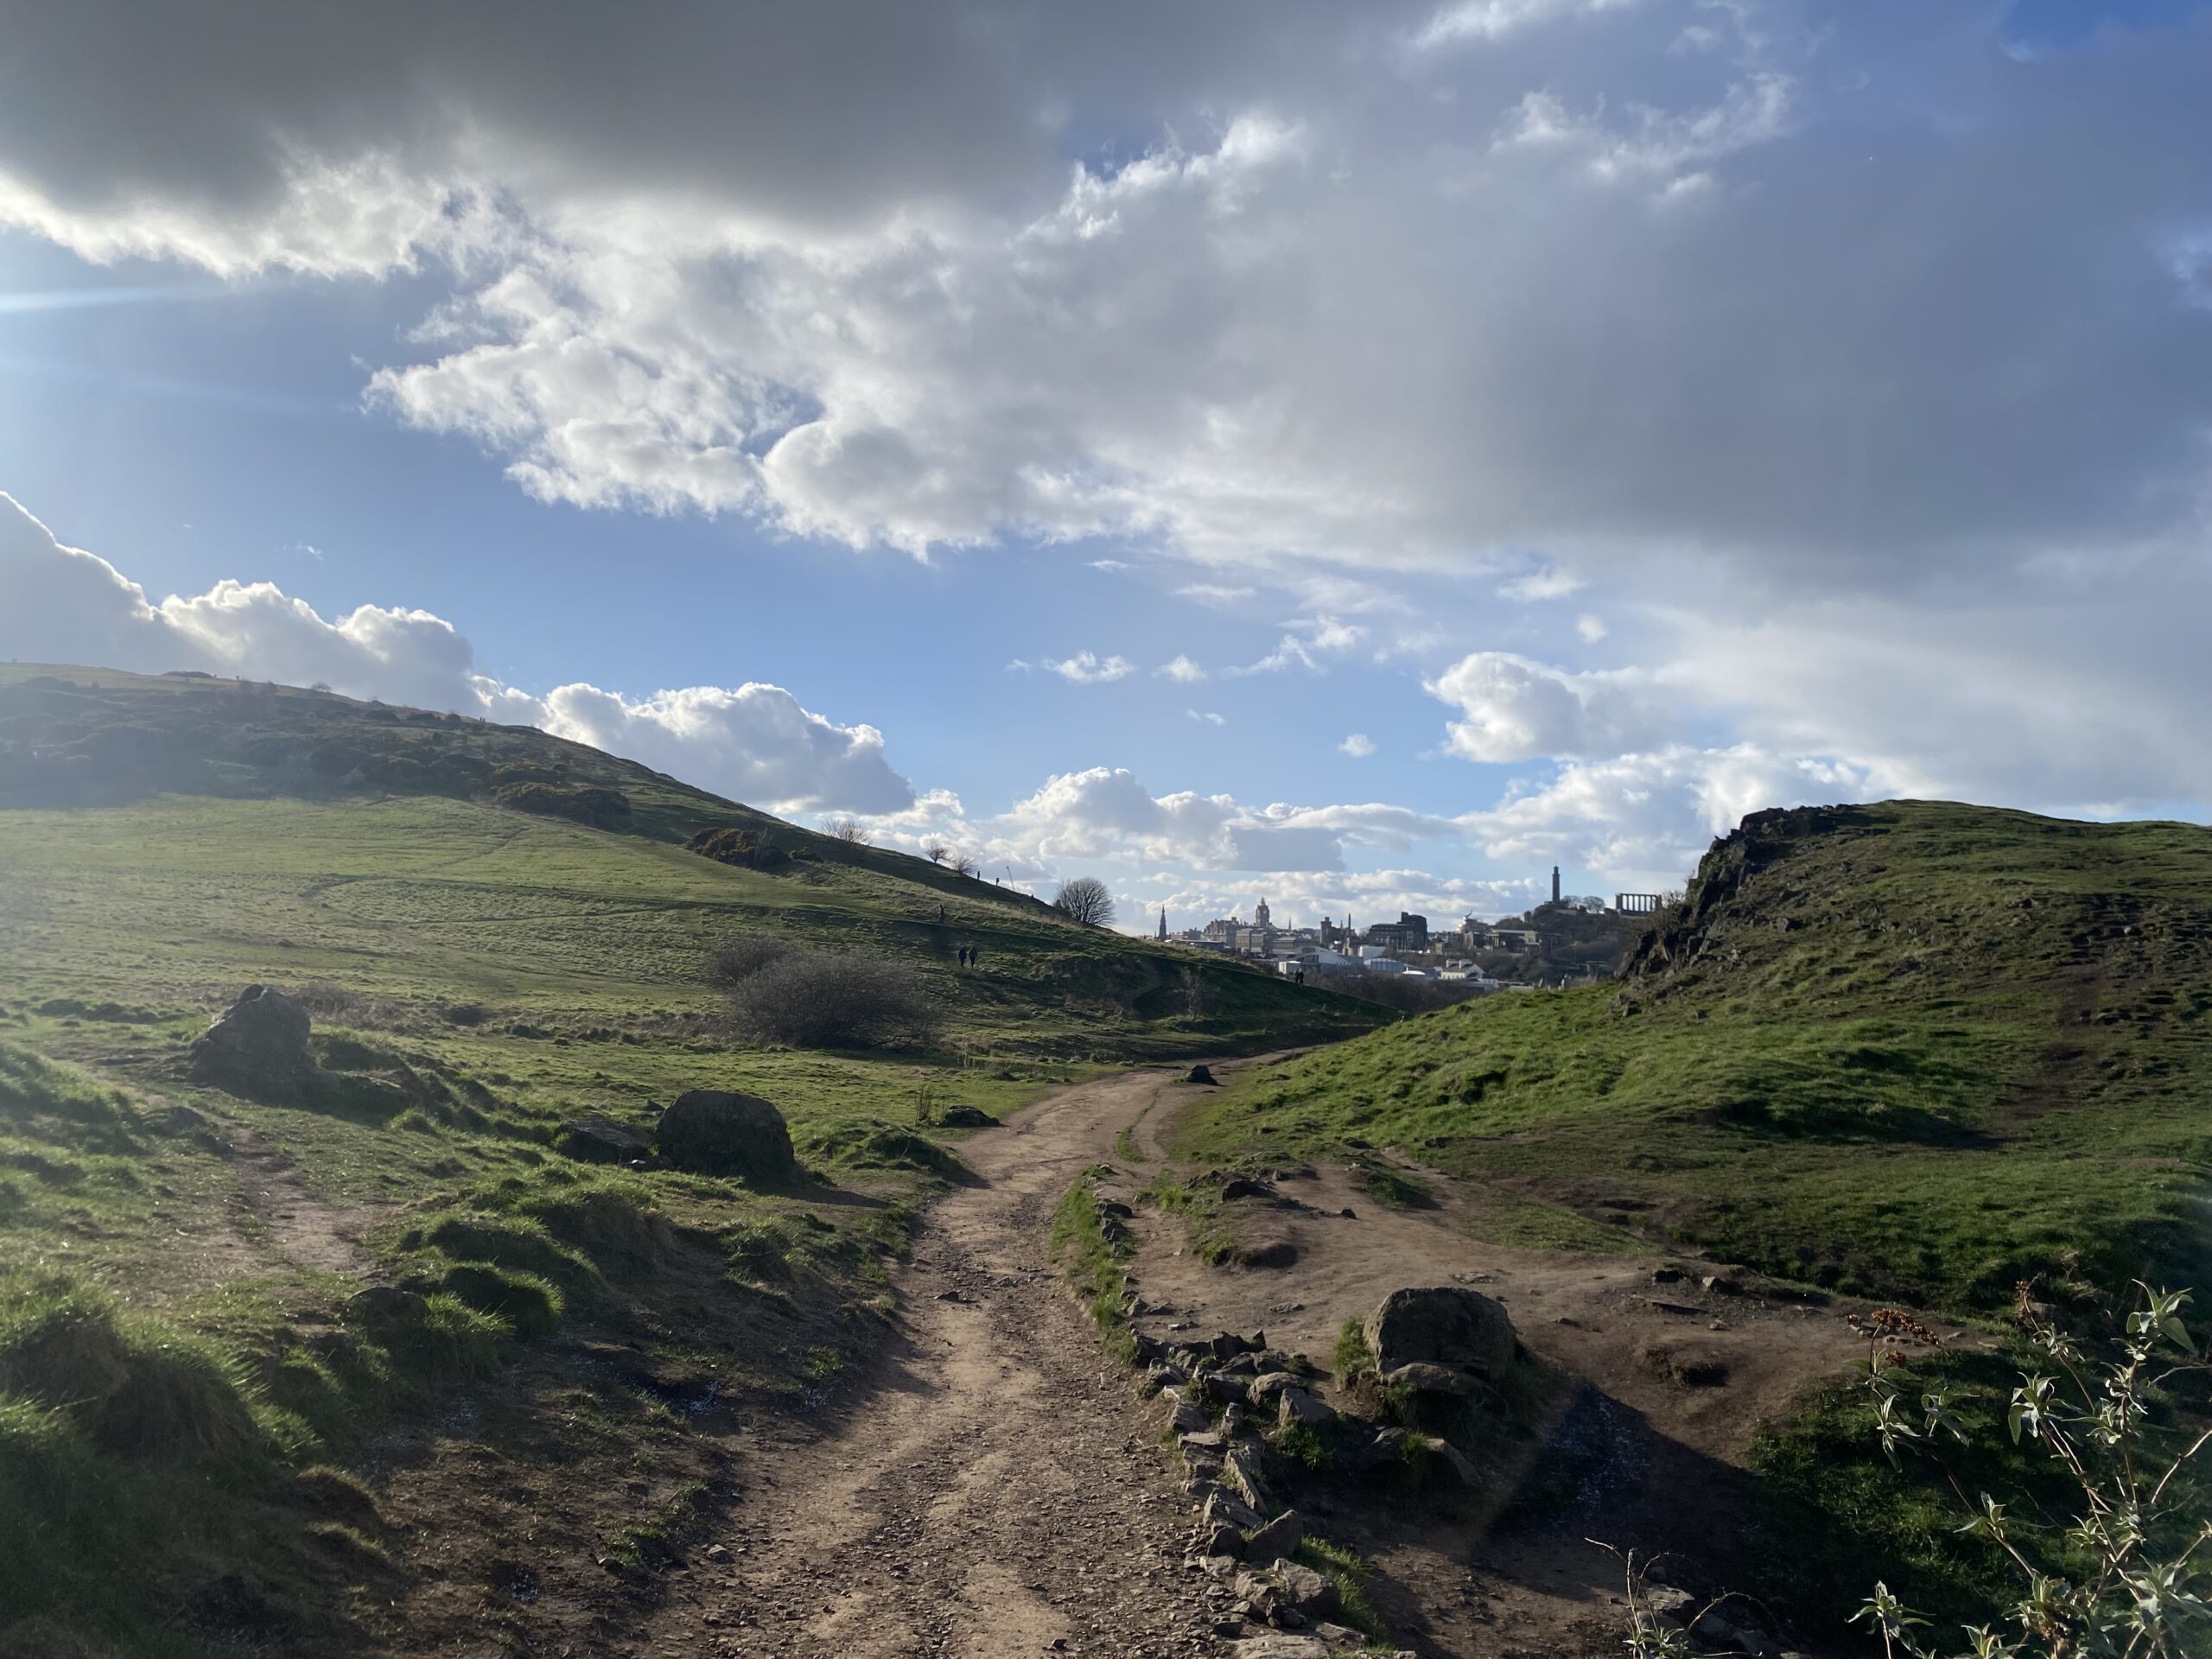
[755, 742]
[918, 325]
[1085, 668]
[1207, 715]
[1105, 812]
[1182, 669]
[1512, 708]
[1359, 745]
[1648, 817]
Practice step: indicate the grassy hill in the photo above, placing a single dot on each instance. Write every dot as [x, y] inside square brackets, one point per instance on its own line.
[1915, 1050]
[495, 931]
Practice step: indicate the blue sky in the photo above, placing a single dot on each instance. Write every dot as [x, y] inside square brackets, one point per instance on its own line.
[1621, 415]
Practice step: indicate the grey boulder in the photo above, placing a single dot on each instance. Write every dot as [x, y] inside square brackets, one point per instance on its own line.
[718, 1132]
[258, 1045]
[1445, 1325]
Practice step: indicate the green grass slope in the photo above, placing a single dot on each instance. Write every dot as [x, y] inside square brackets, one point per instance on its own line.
[1912, 1050]
[205, 1446]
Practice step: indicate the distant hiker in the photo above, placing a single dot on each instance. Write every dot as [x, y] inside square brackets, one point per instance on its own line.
[975, 958]
[963, 955]
[940, 915]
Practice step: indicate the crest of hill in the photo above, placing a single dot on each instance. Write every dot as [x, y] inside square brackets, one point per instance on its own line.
[78, 736]
[1912, 1049]
[277, 763]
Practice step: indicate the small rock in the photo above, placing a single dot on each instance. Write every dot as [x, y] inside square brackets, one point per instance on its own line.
[1348, 1213]
[601, 1139]
[1297, 1406]
[1426, 1378]
[1279, 1644]
[1278, 1540]
[967, 1117]
[1200, 1074]
[1666, 1275]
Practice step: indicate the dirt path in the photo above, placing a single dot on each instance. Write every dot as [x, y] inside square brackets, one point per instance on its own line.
[997, 1494]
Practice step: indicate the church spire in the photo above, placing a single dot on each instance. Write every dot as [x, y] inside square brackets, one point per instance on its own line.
[1163, 924]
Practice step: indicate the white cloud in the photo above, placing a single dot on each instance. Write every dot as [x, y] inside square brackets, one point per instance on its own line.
[755, 742]
[1359, 745]
[1182, 669]
[1512, 708]
[1591, 627]
[1551, 582]
[1105, 813]
[1647, 818]
[1207, 715]
[1085, 668]
[1214, 593]
[1493, 20]
[845, 279]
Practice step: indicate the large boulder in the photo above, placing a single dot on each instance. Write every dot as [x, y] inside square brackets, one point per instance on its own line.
[258, 1045]
[1447, 1326]
[716, 1132]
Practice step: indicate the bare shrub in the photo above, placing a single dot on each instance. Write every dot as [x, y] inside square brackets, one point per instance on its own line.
[850, 832]
[1401, 991]
[1086, 900]
[937, 852]
[737, 960]
[819, 1000]
[963, 864]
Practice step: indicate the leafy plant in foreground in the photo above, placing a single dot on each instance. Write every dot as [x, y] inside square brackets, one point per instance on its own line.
[2141, 1536]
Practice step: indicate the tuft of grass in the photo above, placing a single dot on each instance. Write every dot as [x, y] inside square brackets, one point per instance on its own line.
[1354, 1579]
[1210, 1229]
[1354, 1361]
[1093, 1263]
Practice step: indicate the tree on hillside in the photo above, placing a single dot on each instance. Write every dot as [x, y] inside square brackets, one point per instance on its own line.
[1086, 900]
[964, 865]
[937, 852]
[846, 830]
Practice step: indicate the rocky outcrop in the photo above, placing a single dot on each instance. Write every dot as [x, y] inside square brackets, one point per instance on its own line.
[1760, 842]
[257, 1046]
[719, 1132]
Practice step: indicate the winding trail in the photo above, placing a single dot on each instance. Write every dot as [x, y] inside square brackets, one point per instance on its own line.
[996, 1493]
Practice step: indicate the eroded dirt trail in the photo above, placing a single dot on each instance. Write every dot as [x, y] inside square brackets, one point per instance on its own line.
[997, 1494]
